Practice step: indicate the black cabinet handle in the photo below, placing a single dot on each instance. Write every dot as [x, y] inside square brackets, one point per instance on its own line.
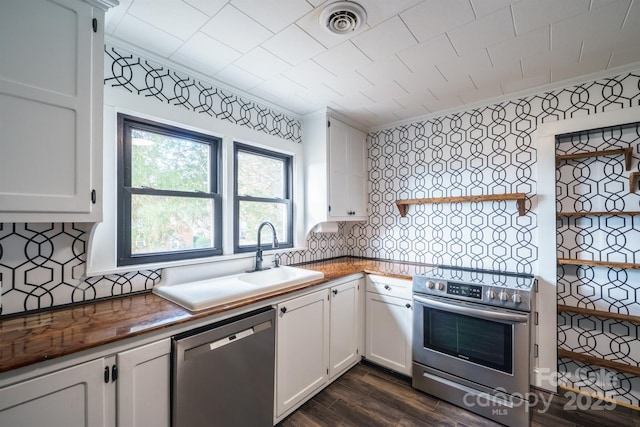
[335, 291]
[106, 374]
[114, 372]
[387, 287]
[408, 305]
[283, 310]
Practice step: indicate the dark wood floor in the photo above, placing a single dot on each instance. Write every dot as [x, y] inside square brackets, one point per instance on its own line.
[370, 396]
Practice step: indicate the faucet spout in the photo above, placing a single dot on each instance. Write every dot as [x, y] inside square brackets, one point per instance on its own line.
[274, 244]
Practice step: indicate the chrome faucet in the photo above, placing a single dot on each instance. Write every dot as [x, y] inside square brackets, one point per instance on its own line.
[274, 244]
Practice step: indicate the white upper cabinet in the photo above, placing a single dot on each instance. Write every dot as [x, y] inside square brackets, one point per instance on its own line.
[335, 156]
[51, 77]
[348, 172]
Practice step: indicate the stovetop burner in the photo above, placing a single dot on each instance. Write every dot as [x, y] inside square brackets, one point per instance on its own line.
[488, 287]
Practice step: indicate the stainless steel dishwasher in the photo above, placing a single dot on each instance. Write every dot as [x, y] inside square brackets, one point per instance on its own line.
[223, 374]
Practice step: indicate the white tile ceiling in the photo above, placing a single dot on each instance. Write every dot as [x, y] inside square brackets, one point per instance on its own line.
[412, 57]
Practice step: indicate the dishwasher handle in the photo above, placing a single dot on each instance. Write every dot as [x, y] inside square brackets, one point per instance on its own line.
[235, 337]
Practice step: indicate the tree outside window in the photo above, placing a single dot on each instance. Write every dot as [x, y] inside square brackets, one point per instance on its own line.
[169, 205]
[263, 191]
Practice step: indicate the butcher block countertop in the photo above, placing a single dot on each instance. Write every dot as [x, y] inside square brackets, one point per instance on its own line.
[33, 338]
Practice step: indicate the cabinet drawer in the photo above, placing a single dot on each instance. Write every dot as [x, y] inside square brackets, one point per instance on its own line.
[391, 286]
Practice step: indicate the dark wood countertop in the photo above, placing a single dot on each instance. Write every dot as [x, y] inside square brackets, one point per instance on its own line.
[33, 338]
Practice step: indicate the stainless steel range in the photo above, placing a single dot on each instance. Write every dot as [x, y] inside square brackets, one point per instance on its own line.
[472, 340]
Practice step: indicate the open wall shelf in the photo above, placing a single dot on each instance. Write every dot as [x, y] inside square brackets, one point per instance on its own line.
[565, 261]
[403, 205]
[598, 313]
[628, 155]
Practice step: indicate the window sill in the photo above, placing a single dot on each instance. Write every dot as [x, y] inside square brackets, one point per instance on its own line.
[81, 273]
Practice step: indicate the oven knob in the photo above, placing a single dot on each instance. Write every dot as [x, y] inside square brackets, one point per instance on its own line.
[503, 296]
[491, 294]
[440, 286]
[431, 285]
[516, 298]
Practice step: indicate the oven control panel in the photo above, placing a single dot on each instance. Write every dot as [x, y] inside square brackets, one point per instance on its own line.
[499, 296]
[464, 290]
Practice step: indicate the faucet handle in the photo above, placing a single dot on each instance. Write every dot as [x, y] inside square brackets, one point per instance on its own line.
[276, 261]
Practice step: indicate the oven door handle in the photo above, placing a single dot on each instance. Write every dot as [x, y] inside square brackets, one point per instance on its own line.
[475, 312]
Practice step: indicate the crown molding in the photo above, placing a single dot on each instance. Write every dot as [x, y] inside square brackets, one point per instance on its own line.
[635, 66]
[103, 4]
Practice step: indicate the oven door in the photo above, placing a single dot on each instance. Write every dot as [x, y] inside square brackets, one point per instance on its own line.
[483, 344]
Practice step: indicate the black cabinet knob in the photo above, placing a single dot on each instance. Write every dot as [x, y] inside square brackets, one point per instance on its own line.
[283, 310]
[387, 287]
[408, 305]
[335, 291]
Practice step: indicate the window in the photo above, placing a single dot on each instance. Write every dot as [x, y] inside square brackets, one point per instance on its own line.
[169, 206]
[263, 192]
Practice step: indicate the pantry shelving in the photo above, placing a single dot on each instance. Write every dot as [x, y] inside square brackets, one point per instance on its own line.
[628, 154]
[592, 263]
[599, 313]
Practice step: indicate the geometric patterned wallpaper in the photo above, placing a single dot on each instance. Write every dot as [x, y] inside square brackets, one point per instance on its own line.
[478, 152]
[599, 184]
[36, 267]
[139, 76]
[487, 150]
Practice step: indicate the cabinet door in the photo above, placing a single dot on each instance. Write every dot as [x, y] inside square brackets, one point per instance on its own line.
[70, 397]
[338, 169]
[388, 332]
[302, 349]
[45, 107]
[344, 326]
[357, 178]
[347, 172]
[143, 385]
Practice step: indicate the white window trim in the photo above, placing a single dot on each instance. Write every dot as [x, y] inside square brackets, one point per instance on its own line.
[101, 245]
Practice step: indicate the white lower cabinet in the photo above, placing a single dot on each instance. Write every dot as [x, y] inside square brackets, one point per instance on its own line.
[318, 338]
[345, 327]
[388, 324]
[143, 385]
[86, 395]
[69, 397]
[302, 352]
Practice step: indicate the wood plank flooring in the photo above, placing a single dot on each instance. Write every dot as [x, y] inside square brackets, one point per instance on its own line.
[371, 396]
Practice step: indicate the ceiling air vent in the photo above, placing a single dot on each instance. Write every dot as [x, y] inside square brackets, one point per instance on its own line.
[343, 17]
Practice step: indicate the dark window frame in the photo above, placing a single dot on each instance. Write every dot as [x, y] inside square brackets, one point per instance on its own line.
[125, 191]
[287, 201]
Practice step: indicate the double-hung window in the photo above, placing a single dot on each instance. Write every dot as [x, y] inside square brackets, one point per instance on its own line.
[169, 204]
[263, 192]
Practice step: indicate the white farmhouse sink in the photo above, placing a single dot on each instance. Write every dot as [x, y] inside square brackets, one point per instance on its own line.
[280, 277]
[204, 294]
